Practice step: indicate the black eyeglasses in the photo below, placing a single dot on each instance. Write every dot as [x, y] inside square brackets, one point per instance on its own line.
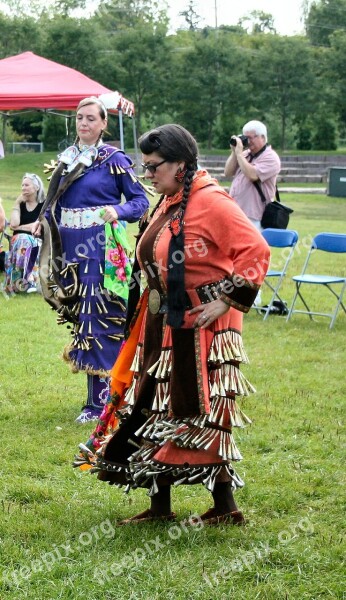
[152, 168]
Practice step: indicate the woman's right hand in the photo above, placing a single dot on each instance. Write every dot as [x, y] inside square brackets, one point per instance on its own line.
[15, 214]
[109, 214]
[208, 313]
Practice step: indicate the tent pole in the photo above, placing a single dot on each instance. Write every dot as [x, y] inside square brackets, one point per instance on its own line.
[121, 127]
[4, 120]
[135, 145]
[69, 128]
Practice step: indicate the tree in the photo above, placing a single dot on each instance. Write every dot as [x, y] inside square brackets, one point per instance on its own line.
[323, 18]
[210, 82]
[18, 35]
[284, 79]
[325, 134]
[191, 16]
[36, 8]
[23, 8]
[28, 125]
[259, 21]
[66, 7]
[53, 132]
[124, 14]
[134, 57]
[335, 76]
[75, 43]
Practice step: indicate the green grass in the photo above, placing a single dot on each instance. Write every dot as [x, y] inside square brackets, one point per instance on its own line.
[14, 166]
[58, 534]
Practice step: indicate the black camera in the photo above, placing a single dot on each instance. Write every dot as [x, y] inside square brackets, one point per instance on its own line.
[243, 138]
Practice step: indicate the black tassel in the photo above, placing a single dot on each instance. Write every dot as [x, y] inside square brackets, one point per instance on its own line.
[176, 273]
[134, 295]
[135, 286]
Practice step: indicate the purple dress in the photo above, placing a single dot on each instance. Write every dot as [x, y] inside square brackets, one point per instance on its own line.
[98, 334]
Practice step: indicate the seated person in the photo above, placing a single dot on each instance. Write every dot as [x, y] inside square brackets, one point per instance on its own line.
[2, 228]
[22, 258]
[2, 218]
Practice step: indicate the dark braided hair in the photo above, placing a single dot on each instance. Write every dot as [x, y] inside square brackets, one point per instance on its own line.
[174, 144]
[135, 288]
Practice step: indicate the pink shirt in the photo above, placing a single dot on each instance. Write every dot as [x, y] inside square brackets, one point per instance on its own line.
[267, 166]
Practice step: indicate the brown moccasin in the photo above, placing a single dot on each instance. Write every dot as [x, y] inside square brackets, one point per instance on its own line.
[147, 516]
[213, 517]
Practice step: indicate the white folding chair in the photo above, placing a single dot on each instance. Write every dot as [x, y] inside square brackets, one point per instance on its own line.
[325, 242]
[277, 238]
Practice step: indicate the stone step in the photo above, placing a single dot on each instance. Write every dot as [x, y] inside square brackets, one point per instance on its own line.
[296, 177]
[286, 161]
[302, 178]
[304, 165]
[330, 160]
[297, 171]
[212, 168]
[300, 167]
[304, 171]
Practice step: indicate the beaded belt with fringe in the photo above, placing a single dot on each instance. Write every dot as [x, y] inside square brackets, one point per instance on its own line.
[81, 218]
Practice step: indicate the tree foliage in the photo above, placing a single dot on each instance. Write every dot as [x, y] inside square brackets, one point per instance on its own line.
[17, 34]
[323, 18]
[211, 80]
[335, 75]
[258, 22]
[191, 16]
[283, 69]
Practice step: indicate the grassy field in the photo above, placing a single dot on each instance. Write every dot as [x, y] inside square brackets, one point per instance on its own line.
[59, 538]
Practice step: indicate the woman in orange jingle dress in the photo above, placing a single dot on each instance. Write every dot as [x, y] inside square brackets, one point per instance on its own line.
[177, 377]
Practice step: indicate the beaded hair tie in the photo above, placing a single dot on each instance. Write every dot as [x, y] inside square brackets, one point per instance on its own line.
[176, 223]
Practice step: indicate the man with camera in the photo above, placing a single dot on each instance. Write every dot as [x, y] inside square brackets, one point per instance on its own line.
[252, 160]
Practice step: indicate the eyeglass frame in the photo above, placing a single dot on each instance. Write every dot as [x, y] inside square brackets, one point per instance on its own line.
[152, 168]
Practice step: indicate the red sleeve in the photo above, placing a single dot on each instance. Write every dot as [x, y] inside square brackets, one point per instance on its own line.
[244, 245]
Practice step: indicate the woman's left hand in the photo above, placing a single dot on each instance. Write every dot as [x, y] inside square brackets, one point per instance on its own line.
[36, 229]
[109, 214]
[208, 313]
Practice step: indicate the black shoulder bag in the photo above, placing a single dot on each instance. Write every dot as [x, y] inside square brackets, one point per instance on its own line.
[276, 214]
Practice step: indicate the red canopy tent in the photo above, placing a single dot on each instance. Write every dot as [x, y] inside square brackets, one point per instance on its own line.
[30, 82]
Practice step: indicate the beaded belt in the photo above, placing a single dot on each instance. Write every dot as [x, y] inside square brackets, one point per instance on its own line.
[81, 218]
[157, 303]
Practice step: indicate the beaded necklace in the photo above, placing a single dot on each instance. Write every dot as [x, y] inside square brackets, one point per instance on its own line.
[82, 147]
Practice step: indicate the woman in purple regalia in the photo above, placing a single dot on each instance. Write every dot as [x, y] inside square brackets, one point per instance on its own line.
[85, 209]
